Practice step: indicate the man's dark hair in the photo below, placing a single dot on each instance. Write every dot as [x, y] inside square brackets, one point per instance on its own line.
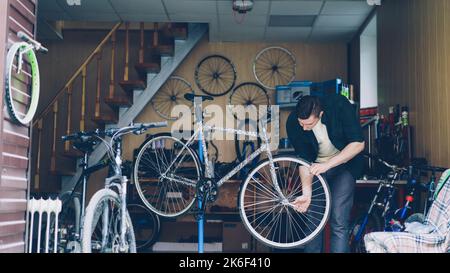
[307, 106]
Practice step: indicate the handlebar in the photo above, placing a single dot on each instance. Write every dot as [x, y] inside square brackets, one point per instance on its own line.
[392, 167]
[137, 129]
[38, 46]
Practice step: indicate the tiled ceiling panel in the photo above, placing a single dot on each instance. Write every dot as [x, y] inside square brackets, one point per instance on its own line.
[328, 19]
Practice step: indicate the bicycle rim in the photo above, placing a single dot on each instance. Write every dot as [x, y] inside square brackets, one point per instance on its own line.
[274, 223]
[17, 101]
[106, 201]
[167, 197]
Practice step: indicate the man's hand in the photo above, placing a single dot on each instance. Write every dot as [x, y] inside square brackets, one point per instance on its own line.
[319, 168]
[302, 203]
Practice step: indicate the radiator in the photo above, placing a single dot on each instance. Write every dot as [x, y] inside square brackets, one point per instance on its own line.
[44, 215]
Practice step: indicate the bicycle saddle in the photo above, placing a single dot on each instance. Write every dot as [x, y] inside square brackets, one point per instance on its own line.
[85, 146]
[191, 97]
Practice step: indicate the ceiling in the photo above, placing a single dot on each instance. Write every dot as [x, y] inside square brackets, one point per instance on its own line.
[270, 20]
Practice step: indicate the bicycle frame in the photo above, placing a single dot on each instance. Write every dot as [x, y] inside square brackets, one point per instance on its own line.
[203, 130]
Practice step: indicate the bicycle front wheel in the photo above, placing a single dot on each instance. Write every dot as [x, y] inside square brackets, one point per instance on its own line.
[267, 215]
[102, 225]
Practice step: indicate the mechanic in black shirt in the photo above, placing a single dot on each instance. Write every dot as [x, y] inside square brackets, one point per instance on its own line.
[326, 132]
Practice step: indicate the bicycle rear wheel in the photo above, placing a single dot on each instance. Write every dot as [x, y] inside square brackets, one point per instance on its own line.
[146, 225]
[272, 221]
[106, 203]
[166, 172]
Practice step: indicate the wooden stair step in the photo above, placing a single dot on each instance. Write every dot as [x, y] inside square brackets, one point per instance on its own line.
[106, 118]
[178, 31]
[131, 85]
[118, 101]
[166, 50]
[61, 172]
[71, 153]
[148, 67]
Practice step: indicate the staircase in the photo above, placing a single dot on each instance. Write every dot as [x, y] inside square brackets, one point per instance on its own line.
[170, 44]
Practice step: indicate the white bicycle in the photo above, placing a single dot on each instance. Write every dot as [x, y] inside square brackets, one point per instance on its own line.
[169, 178]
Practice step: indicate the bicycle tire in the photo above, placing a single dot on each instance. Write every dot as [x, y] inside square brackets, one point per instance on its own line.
[146, 219]
[92, 217]
[148, 172]
[10, 101]
[282, 235]
[374, 224]
[227, 67]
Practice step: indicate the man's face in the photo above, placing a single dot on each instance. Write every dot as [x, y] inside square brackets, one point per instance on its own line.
[309, 123]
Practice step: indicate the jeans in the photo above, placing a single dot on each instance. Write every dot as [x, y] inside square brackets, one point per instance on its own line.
[342, 187]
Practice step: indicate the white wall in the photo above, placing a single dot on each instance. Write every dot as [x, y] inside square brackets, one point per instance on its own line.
[369, 76]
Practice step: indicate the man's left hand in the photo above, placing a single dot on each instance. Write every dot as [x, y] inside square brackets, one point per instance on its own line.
[319, 168]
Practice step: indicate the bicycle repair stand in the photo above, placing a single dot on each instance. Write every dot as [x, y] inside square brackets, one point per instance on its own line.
[201, 213]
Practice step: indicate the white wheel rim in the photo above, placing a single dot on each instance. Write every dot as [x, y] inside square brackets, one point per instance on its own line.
[271, 243]
[35, 83]
[272, 48]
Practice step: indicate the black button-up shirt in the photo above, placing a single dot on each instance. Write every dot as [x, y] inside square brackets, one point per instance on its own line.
[343, 128]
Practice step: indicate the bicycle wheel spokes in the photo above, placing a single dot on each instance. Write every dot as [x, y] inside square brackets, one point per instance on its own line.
[166, 173]
[270, 217]
[249, 94]
[106, 227]
[274, 66]
[170, 95]
[215, 75]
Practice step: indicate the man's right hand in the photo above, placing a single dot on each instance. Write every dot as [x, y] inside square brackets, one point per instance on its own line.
[302, 203]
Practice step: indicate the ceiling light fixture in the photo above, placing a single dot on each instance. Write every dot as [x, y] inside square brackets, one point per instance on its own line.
[242, 6]
[73, 2]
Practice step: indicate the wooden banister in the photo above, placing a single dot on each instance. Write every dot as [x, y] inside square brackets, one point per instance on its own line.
[69, 116]
[55, 126]
[155, 35]
[38, 160]
[141, 47]
[83, 100]
[77, 72]
[113, 57]
[127, 51]
[99, 77]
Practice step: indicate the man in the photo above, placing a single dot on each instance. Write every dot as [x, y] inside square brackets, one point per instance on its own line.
[326, 132]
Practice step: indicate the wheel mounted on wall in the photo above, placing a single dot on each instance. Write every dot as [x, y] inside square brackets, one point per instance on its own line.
[274, 66]
[21, 83]
[249, 94]
[170, 95]
[215, 75]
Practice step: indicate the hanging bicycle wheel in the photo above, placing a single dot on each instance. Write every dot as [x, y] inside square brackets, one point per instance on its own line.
[248, 94]
[246, 145]
[21, 83]
[270, 217]
[170, 95]
[274, 66]
[215, 75]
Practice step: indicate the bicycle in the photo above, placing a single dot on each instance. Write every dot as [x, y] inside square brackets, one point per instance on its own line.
[22, 70]
[170, 177]
[378, 210]
[114, 232]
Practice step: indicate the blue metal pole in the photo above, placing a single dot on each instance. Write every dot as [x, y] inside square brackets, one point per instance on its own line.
[200, 216]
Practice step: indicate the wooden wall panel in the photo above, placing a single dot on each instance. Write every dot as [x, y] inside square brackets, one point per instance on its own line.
[315, 62]
[16, 15]
[414, 50]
